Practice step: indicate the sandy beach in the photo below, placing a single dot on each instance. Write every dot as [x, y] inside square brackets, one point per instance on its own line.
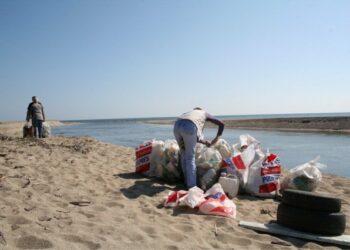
[80, 193]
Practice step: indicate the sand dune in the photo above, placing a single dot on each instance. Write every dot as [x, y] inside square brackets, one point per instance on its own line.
[80, 193]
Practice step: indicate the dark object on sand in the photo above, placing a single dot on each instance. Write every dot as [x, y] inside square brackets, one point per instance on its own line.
[80, 203]
[310, 220]
[311, 201]
[311, 212]
[28, 131]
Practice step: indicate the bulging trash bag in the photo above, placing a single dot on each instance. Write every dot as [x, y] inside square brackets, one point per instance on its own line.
[193, 198]
[46, 130]
[199, 148]
[142, 155]
[208, 178]
[156, 158]
[246, 140]
[224, 148]
[157, 150]
[209, 158]
[170, 162]
[171, 150]
[238, 165]
[27, 130]
[305, 177]
[264, 174]
[217, 203]
[208, 163]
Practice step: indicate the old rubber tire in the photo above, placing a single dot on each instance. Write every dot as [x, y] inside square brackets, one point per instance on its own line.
[311, 200]
[311, 221]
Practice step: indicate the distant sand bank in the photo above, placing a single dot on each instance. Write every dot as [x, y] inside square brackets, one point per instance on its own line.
[15, 128]
[300, 124]
[80, 193]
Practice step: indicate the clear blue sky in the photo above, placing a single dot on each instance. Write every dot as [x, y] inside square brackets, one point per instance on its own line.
[115, 59]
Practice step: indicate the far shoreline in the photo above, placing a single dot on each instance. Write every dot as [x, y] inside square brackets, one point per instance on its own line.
[329, 124]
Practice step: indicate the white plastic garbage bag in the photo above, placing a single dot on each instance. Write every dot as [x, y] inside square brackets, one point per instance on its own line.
[46, 130]
[224, 148]
[217, 203]
[305, 177]
[142, 154]
[194, 197]
[27, 130]
[246, 140]
[238, 165]
[159, 159]
[263, 179]
[208, 158]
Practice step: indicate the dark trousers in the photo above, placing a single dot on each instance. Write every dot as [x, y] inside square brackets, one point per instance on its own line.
[38, 128]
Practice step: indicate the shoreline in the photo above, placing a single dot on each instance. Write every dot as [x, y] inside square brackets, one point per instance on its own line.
[80, 193]
[15, 128]
[340, 125]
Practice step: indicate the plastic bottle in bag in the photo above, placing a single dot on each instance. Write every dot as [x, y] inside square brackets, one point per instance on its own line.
[208, 179]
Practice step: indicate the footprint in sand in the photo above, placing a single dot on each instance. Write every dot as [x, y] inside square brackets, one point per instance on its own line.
[150, 231]
[185, 228]
[223, 222]
[32, 242]
[171, 247]
[87, 214]
[41, 188]
[114, 204]
[18, 220]
[99, 208]
[175, 236]
[76, 239]
[229, 238]
[119, 219]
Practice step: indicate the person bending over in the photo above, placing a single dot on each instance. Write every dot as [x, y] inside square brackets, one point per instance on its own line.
[188, 130]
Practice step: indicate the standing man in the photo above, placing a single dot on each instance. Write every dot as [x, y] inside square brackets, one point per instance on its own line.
[188, 130]
[36, 113]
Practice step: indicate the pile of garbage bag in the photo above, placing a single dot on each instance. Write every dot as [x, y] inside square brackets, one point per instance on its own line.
[28, 130]
[213, 201]
[156, 158]
[241, 168]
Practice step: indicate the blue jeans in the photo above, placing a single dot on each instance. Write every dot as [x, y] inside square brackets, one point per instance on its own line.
[38, 128]
[185, 133]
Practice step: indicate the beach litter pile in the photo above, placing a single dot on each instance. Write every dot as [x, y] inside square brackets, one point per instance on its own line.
[223, 171]
[242, 167]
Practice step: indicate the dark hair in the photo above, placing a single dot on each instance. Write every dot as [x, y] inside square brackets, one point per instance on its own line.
[197, 108]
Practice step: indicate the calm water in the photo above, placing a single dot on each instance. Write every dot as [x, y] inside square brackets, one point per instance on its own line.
[293, 148]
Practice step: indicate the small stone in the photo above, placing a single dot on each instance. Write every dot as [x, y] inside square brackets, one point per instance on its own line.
[14, 227]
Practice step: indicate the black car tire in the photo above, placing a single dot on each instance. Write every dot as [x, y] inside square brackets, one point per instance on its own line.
[311, 200]
[311, 221]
